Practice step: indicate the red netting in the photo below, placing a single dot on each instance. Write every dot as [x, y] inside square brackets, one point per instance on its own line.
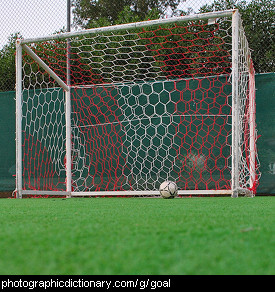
[177, 51]
[188, 51]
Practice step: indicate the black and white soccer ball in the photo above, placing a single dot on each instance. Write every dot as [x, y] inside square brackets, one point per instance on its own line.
[168, 189]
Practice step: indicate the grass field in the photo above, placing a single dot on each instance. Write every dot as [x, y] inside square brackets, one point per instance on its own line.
[134, 236]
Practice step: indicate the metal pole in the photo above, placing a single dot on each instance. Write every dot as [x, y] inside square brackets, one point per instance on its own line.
[19, 172]
[68, 15]
[68, 108]
[235, 104]
[68, 42]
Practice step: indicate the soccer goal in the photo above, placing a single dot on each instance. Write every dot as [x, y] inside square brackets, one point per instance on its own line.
[118, 110]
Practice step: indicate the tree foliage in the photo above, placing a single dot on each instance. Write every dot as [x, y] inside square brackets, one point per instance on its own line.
[91, 13]
[258, 21]
[7, 64]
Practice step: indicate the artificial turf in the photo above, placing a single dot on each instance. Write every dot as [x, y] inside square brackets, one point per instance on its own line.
[137, 236]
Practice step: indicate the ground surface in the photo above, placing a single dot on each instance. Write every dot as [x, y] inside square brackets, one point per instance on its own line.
[137, 236]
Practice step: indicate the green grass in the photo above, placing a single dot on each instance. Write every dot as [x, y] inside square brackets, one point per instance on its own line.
[137, 236]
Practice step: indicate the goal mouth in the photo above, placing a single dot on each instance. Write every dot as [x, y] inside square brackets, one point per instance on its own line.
[118, 110]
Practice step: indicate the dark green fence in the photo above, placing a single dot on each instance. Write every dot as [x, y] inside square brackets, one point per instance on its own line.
[265, 124]
[265, 118]
[7, 141]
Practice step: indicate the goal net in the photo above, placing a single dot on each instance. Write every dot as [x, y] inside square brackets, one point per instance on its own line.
[118, 110]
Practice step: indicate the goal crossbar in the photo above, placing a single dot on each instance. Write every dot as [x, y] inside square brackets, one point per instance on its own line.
[193, 17]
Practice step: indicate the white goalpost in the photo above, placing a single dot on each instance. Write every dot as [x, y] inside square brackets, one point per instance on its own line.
[115, 111]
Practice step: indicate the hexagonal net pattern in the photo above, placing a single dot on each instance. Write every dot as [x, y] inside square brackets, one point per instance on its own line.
[148, 104]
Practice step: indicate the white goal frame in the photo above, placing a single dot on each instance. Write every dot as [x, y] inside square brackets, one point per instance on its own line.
[24, 45]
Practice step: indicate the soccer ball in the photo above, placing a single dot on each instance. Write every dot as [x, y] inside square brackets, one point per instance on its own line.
[168, 190]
